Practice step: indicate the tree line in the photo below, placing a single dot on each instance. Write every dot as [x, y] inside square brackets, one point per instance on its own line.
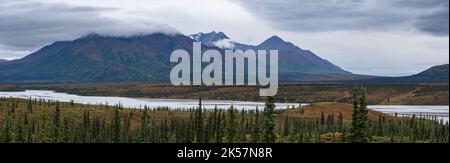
[74, 123]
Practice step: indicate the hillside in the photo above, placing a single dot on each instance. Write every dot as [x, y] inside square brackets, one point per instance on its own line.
[315, 110]
[436, 74]
[95, 58]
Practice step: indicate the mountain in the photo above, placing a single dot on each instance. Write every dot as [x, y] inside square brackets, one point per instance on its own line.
[293, 61]
[145, 58]
[436, 74]
[209, 39]
[1, 60]
[95, 58]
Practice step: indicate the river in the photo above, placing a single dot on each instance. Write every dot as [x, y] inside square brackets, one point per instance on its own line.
[140, 102]
[441, 111]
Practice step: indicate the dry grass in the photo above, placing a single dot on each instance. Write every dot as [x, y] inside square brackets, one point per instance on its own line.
[330, 108]
[408, 94]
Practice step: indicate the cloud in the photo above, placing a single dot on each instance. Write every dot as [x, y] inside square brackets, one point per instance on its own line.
[435, 22]
[28, 24]
[378, 37]
[224, 44]
[430, 16]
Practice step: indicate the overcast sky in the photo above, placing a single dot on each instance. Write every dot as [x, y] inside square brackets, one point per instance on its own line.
[377, 37]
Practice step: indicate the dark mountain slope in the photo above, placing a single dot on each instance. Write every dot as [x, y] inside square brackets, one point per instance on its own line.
[292, 59]
[96, 58]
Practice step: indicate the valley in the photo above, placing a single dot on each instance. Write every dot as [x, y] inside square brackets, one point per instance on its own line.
[378, 94]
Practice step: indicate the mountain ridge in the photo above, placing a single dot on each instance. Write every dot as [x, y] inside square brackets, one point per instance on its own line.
[292, 59]
[98, 59]
[140, 58]
[145, 58]
[435, 74]
[209, 39]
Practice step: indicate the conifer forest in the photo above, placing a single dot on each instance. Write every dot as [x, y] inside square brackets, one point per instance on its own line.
[39, 121]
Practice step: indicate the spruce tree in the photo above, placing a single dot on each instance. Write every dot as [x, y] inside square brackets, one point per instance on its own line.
[340, 123]
[215, 122]
[6, 130]
[231, 126]
[380, 126]
[199, 123]
[190, 135]
[56, 122]
[44, 130]
[286, 126]
[269, 123]
[86, 127]
[145, 118]
[209, 129]
[243, 134]
[322, 122]
[359, 132]
[219, 128]
[29, 106]
[256, 134]
[116, 126]
[20, 131]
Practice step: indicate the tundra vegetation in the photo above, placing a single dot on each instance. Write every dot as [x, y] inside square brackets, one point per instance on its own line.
[396, 94]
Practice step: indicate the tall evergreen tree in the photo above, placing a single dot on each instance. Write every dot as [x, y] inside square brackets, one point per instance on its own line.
[116, 126]
[256, 132]
[286, 126]
[56, 122]
[29, 106]
[190, 133]
[6, 130]
[243, 134]
[209, 129]
[380, 125]
[322, 123]
[20, 131]
[340, 123]
[215, 122]
[231, 126]
[219, 128]
[199, 123]
[44, 130]
[145, 118]
[269, 123]
[359, 132]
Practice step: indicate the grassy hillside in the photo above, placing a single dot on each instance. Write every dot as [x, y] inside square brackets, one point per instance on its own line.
[331, 108]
